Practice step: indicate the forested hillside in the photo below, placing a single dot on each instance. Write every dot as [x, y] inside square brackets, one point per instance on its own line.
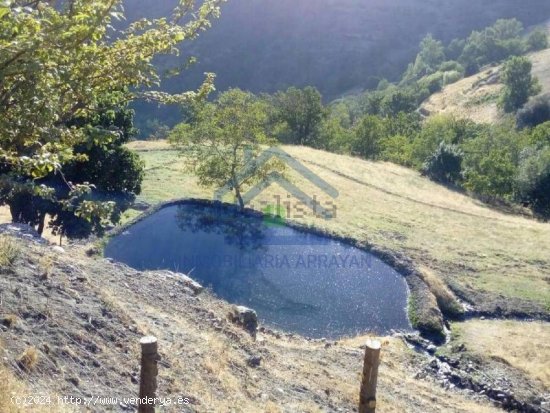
[334, 45]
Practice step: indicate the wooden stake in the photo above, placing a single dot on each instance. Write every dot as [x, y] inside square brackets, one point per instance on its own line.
[367, 395]
[149, 371]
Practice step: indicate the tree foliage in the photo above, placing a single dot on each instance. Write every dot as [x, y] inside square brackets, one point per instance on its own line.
[299, 113]
[61, 63]
[538, 39]
[445, 164]
[224, 141]
[519, 83]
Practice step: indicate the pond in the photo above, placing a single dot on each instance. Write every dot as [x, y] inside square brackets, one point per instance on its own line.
[296, 281]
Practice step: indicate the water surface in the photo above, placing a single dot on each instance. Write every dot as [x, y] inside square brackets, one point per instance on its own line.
[297, 282]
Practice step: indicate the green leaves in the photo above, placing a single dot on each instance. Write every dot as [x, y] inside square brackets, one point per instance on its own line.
[57, 63]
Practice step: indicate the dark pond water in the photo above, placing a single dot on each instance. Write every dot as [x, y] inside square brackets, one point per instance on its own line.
[297, 282]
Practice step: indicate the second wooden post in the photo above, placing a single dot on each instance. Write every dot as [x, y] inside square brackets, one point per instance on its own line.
[148, 377]
[367, 395]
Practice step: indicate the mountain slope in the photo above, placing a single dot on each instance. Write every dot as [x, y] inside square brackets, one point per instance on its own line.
[491, 258]
[335, 45]
[476, 97]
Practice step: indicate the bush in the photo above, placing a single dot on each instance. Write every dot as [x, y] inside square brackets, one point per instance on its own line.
[445, 164]
[9, 251]
[368, 134]
[452, 76]
[533, 180]
[491, 161]
[433, 82]
[535, 112]
[396, 149]
[538, 39]
[519, 84]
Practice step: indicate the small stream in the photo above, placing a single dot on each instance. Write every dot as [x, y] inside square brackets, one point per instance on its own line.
[296, 281]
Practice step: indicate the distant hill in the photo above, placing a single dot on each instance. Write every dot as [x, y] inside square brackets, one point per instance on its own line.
[335, 45]
[476, 97]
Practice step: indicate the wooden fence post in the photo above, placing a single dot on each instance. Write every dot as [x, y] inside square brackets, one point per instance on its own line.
[367, 396]
[149, 371]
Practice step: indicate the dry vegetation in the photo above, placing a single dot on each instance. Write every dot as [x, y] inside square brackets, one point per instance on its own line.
[522, 345]
[9, 251]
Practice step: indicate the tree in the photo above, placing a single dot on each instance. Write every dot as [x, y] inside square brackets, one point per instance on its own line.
[368, 134]
[491, 161]
[493, 44]
[114, 171]
[535, 112]
[223, 142]
[431, 55]
[538, 39]
[519, 84]
[59, 61]
[534, 179]
[445, 164]
[301, 111]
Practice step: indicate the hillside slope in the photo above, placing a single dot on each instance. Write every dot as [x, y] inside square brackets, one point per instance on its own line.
[84, 317]
[266, 45]
[476, 97]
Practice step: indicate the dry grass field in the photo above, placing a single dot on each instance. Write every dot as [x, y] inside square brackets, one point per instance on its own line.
[523, 345]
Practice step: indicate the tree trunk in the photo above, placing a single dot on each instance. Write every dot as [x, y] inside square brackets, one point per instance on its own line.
[41, 222]
[239, 197]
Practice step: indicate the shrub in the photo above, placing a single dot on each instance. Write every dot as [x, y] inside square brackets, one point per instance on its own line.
[519, 84]
[540, 135]
[396, 149]
[433, 82]
[538, 39]
[445, 164]
[535, 112]
[28, 359]
[9, 251]
[452, 76]
[451, 66]
[368, 133]
[533, 179]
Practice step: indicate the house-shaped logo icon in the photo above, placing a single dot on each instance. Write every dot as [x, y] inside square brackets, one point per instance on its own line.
[278, 178]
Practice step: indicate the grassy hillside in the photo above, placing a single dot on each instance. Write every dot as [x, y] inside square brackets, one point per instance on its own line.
[476, 97]
[488, 257]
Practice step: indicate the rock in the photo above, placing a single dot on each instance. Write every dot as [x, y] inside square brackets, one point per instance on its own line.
[431, 349]
[246, 318]
[188, 282]
[58, 249]
[74, 380]
[254, 361]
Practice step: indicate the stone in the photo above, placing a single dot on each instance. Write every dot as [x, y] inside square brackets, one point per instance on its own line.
[254, 361]
[245, 317]
[58, 249]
